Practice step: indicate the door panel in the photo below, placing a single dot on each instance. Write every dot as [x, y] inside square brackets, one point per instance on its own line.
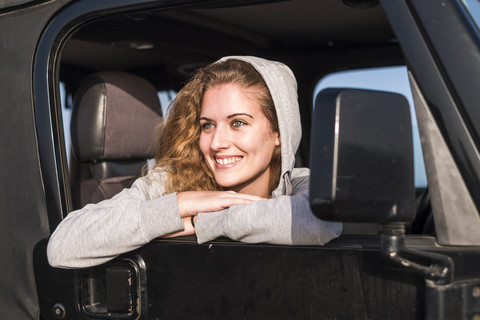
[348, 279]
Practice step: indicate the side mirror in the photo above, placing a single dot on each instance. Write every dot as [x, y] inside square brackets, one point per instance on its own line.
[361, 157]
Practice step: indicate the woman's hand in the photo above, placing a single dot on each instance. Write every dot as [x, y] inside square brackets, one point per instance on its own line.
[191, 203]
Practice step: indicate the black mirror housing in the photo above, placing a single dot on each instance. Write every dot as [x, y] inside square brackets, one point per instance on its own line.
[361, 157]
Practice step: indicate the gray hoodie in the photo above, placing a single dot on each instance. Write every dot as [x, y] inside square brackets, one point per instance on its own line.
[99, 232]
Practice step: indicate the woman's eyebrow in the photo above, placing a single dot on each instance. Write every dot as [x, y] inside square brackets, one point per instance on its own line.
[205, 118]
[239, 114]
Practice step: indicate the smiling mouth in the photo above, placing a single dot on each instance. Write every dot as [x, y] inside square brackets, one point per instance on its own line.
[226, 161]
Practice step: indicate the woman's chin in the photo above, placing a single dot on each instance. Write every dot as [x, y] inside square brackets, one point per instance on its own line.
[226, 185]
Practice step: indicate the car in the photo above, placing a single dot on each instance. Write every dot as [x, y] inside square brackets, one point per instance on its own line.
[407, 252]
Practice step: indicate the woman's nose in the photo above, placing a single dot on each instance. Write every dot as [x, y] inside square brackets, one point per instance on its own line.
[220, 139]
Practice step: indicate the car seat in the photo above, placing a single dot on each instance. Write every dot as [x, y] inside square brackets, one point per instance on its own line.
[112, 126]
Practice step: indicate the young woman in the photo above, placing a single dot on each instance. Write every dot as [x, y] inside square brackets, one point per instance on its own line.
[224, 167]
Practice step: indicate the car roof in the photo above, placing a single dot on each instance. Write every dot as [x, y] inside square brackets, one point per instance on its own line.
[180, 38]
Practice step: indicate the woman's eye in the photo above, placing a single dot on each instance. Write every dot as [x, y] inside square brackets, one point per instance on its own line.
[238, 123]
[206, 126]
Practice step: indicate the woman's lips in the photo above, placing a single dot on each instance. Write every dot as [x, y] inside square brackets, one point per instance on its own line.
[225, 162]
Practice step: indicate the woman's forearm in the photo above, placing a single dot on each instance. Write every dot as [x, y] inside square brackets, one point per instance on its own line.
[285, 220]
[100, 232]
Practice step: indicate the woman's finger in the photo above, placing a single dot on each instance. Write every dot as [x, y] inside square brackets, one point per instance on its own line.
[192, 202]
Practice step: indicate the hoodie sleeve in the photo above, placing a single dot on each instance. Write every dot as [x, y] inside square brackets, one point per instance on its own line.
[99, 232]
[286, 220]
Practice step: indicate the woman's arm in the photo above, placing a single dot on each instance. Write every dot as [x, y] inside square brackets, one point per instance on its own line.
[284, 220]
[99, 232]
[191, 203]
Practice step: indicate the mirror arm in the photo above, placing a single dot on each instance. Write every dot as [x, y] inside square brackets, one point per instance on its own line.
[435, 267]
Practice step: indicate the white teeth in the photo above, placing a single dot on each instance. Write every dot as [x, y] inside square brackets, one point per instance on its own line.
[227, 160]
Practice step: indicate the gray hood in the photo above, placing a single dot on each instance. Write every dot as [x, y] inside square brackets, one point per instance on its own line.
[283, 89]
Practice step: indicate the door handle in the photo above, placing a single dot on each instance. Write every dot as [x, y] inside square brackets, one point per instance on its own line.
[113, 290]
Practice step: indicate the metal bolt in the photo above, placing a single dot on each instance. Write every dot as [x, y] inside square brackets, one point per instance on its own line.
[59, 311]
[476, 292]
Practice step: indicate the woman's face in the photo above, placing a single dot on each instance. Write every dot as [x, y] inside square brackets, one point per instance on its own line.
[236, 139]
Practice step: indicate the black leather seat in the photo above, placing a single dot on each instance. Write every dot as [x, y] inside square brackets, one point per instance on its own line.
[112, 126]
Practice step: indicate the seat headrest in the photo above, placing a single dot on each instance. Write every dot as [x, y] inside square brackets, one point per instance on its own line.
[114, 116]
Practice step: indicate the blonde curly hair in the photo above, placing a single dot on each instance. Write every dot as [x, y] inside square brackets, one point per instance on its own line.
[178, 151]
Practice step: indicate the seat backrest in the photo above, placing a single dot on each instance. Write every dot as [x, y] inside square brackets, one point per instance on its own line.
[112, 126]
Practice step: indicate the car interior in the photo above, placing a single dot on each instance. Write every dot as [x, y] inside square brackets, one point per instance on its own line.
[133, 55]
[112, 126]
